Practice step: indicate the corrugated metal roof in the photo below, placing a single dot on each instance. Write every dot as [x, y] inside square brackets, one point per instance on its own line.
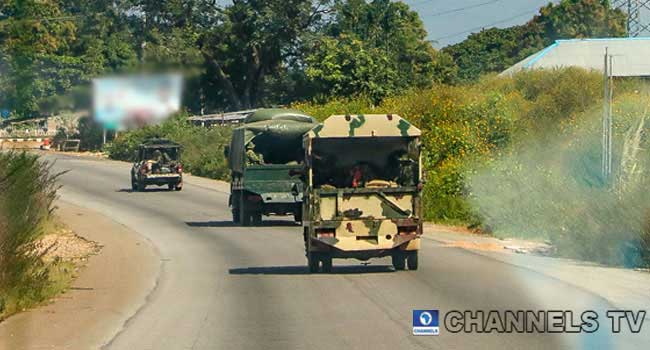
[631, 56]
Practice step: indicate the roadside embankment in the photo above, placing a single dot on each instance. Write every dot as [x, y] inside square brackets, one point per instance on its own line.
[109, 290]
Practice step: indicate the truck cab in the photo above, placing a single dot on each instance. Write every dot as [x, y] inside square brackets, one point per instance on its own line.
[362, 196]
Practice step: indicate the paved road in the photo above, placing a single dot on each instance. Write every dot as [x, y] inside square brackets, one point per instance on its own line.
[226, 287]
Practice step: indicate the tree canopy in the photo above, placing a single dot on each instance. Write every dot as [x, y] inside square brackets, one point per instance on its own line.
[375, 48]
[252, 53]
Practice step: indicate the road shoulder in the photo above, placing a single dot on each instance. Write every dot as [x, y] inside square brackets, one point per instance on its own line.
[622, 288]
[109, 290]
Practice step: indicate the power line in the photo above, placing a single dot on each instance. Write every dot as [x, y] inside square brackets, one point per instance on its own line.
[418, 2]
[460, 9]
[529, 12]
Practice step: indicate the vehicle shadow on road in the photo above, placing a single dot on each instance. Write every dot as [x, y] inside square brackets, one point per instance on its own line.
[128, 190]
[303, 270]
[229, 223]
[210, 224]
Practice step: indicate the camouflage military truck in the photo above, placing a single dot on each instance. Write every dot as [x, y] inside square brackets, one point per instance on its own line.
[158, 162]
[262, 154]
[362, 193]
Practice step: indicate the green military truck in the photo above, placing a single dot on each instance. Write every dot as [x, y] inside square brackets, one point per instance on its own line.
[262, 154]
[363, 191]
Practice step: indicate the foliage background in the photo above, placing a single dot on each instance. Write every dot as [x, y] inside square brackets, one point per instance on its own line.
[202, 147]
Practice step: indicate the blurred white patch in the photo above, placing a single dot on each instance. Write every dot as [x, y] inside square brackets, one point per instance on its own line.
[136, 101]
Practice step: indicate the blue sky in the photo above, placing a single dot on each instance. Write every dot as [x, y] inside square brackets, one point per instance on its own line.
[451, 21]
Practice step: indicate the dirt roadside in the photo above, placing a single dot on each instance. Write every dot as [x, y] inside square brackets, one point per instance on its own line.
[109, 290]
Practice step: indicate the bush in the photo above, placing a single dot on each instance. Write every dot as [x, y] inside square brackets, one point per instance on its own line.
[202, 147]
[548, 185]
[27, 192]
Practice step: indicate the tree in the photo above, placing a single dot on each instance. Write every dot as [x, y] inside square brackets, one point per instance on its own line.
[34, 53]
[374, 48]
[49, 47]
[493, 50]
[252, 41]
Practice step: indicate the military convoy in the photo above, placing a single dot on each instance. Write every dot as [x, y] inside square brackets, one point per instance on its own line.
[353, 181]
[158, 162]
[261, 155]
[362, 195]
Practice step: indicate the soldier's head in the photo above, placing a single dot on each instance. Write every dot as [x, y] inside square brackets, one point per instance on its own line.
[157, 154]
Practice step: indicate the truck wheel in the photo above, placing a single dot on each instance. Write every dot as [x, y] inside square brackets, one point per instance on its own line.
[412, 260]
[234, 208]
[244, 215]
[327, 263]
[134, 185]
[257, 219]
[141, 186]
[312, 261]
[399, 261]
[297, 216]
[235, 215]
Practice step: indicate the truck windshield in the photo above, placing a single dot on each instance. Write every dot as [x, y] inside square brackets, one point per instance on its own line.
[365, 162]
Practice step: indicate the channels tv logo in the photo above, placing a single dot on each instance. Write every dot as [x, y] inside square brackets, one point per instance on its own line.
[425, 322]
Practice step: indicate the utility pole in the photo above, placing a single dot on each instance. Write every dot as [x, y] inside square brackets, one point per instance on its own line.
[638, 16]
[608, 84]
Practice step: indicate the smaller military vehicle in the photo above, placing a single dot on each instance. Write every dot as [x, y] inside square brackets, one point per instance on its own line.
[262, 154]
[158, 162]
[362, 192]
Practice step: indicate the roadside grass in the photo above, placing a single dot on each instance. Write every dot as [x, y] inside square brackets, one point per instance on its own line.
[60, 275]
[27, 191]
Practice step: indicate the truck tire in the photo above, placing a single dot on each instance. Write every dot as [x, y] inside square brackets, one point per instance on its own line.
[134, 185]
[313, 261]
[235, 215]
[399, 261]
[326, 259]
[257, 219]
[233, 201]
[141, 186]
[412, 260]
[244, 215]
[297, 216]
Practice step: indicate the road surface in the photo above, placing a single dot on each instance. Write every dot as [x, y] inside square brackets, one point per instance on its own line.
[227, 287]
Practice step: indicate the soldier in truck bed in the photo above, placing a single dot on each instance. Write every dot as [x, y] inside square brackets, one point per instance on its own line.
[402, 168]
[252, 157]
